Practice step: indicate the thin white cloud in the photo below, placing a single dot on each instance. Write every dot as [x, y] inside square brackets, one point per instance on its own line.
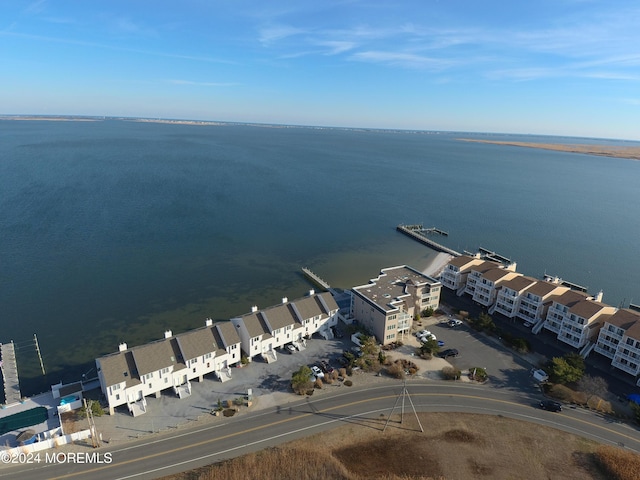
[275, 33]
[402, 59]
[336, 46]
[196, 58]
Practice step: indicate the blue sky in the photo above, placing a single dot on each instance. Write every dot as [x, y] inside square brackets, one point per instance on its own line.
[561, 67]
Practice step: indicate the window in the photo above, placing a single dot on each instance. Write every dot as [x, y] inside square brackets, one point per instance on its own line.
[208, 356]
[390, 337]
[117, 396]
[194, 370]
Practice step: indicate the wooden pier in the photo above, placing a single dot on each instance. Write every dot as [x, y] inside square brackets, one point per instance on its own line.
[316, 279]
[10, 374]
[417, 233]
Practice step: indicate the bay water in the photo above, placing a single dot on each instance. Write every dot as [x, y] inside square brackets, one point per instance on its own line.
[118, 230]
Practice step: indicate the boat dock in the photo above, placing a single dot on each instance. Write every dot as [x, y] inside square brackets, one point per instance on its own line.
[9, 369]
[316, 279]
[417, 232]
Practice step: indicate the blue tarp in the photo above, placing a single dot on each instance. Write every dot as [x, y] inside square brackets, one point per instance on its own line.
[634, 397]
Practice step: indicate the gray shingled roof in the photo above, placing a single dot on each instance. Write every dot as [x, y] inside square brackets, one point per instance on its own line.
[280, 316]
[155, 356]
[329, 301]
[119, 367]
[197, 343]
[309, 307]
[228, 334]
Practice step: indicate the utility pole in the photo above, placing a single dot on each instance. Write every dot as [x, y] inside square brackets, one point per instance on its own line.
[95, 441]
[35, 339]
[404, 394]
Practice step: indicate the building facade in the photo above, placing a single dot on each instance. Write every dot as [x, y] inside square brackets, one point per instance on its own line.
[387, 305]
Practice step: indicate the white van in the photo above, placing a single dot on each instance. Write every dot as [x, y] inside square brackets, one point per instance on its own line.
[540, 375]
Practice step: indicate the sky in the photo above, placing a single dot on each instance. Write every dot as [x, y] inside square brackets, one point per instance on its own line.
[557, 67]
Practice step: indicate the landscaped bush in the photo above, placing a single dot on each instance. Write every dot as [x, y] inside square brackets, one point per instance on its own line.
[478, 374]
[343, 372]
[318, 383]
[450, 373]
[396, 370]
[348, 383]
[328, 379]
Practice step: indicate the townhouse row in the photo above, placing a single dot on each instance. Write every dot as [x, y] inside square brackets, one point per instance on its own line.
[576, 318]
[131, 374]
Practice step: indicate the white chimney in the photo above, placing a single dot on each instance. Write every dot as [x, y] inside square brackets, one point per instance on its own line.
[254, 309]
[122, 347]
[285, 299]
[208, 322]
[168, 333]
[312, 292]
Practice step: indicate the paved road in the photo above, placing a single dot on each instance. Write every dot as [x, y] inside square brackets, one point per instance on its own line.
[369, 406]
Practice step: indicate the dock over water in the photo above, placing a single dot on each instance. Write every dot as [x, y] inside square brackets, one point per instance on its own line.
[316, 279]
[417, 232]
[9, 369]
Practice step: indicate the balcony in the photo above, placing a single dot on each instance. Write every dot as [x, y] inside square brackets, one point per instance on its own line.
[605, 350]
[625, 368]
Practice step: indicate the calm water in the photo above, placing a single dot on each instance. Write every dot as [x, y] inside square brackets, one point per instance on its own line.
[115, 231]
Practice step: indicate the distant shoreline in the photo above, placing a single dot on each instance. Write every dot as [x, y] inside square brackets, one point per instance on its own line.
[632, 153]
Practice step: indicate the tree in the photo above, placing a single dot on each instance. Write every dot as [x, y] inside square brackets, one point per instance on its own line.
[301, 380]
[368, 345]
[427, 312]
[593, 386]
[566, 369]
[429, 348]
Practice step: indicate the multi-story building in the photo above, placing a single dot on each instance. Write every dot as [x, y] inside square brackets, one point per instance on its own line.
[317, 313]
[475, 276]
[454, 275]
[619, 340]
[487, 285]
[534, 301]
[509, 295]
[261, 332]
[129, 375]
[387, 305]
[205, 350]
[576, 317]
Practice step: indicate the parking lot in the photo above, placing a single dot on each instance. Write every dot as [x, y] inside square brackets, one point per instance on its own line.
[505, 368]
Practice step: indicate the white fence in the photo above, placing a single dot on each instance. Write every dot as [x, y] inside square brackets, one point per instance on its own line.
[51, 439]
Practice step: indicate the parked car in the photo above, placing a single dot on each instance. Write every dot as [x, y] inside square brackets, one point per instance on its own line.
[550, 406]
[316, 371]
[290, 348]
[449, 352]
[424, 338]
[540, 375]
[454, 322]
[326, 368]
[422, 333]
[440, 343]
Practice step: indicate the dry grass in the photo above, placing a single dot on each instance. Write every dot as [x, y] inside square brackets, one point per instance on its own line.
[453, 446]
[618, 464]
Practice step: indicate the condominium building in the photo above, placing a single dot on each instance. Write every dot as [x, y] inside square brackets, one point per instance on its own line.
[576, 317]
[387, 305]
[476, 278]
[454, 275]
[510, 293]
[619, 340]
[535, 300]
